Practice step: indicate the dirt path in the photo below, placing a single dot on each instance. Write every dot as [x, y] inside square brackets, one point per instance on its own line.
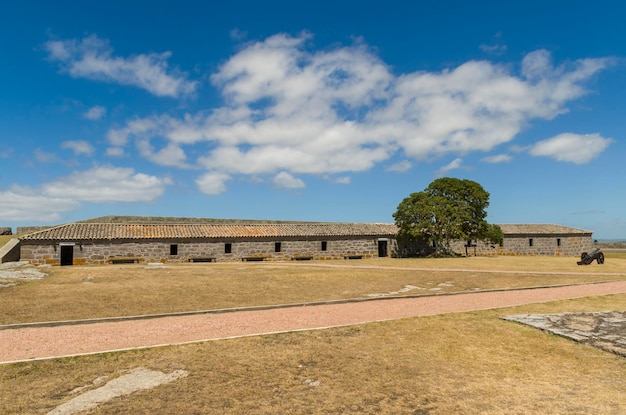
[21, 344]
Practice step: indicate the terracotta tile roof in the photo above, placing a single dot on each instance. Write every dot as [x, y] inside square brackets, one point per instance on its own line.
[126, 231]
[541, 229]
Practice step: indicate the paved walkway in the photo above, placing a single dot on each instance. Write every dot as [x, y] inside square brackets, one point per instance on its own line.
[22, 344]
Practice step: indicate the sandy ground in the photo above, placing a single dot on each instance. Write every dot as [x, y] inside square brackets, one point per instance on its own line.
[20, 344]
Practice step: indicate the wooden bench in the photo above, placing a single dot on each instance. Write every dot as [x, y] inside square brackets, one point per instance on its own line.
[353, 257]
[124, 260]
[253, 258]
[302, 258]
[202, 259]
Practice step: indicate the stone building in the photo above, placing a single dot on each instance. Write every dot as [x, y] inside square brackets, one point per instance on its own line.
[546, 239]
[148, 239]
[97, 243]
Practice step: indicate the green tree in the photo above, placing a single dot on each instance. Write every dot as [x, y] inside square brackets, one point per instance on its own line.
[494, 234]
[448, 209]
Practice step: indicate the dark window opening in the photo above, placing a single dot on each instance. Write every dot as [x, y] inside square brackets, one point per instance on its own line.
[228, 248]
[558, 241]
[277, 246]
[324, 245]
[530, 242]
[173, 249]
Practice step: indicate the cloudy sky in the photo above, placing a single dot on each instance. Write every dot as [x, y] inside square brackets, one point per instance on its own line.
[320, 111]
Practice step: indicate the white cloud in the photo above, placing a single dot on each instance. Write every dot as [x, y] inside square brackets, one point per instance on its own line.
[476, 106]
[170, 155]
[42, 156]
[574, 148]
[23, 204]
[141, 127]
[285, 180]
[107, 184]
[401, 166]
[100, 184]
[295, 111]
[213, 183]
[177, 132]
[342, 180]
[238, 34]
[519, 149]
[79, 147]
[496, 47]
[536, 64]
[453, 165]
[498, 158]
[95, 113]
[115, 152]
[92, 58]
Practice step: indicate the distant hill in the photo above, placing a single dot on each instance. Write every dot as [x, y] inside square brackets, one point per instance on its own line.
[612, 243]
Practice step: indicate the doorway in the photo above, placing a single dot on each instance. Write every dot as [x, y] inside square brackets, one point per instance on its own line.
[67, 254]
[382, 248]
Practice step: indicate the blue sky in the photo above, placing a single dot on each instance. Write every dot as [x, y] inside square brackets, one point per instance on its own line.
[320, 111]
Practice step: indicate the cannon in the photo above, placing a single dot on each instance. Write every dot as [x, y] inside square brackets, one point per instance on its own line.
[595, 255]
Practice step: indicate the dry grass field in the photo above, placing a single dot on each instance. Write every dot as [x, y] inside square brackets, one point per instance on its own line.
[464, 363]
[120, 290]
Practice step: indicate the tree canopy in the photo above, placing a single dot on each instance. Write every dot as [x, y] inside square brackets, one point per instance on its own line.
[448, 209]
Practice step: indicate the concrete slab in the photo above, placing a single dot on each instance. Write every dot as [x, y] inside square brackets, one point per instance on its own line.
[605, 330]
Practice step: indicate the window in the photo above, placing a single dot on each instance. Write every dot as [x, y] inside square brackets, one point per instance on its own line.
[277, 246]
[173, 249]
[228, 248]
[324, 245]
[530, 242]
[558, 241]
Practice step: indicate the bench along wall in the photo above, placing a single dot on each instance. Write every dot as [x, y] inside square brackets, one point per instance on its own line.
[172, 250]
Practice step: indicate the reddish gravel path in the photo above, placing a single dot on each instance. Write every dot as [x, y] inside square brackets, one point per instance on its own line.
[20, 344]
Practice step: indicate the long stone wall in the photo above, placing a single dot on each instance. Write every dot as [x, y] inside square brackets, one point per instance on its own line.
[552, 245]
[327, 249]
[190, 251]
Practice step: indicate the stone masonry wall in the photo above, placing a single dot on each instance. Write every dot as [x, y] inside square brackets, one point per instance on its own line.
[188, 251]
[553, 245]
[40, 254]
[539, 245]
